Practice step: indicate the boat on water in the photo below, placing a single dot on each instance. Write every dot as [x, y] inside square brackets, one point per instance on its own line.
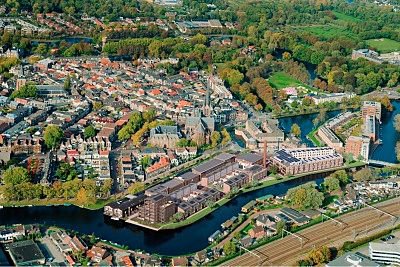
[115, 218]
[1, 207]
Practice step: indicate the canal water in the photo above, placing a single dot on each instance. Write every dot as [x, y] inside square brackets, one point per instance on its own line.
[193, 237]
[3, 258]
[174, 242]
[387, 133]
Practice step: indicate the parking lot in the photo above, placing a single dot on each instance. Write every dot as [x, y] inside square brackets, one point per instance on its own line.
[50, 250]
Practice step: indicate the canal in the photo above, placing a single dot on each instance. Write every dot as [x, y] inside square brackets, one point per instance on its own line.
[193, 237]
[387, 133]
[189, 239]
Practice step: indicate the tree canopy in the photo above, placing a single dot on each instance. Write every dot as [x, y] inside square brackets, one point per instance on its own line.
[28, 90]
[305, 196]
[15, 176]
[53, 136]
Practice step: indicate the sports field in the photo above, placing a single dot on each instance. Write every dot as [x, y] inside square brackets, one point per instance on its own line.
[384, 45]
[281, 80]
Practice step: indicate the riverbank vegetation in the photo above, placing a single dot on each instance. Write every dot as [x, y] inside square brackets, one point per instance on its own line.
[19, 189]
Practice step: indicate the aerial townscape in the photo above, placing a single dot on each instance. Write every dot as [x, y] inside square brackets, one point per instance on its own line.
[200, 133]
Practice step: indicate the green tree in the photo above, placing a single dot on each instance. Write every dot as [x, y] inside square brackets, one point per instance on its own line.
[229, 248]
[67, 83]
[41, 49]
[177, 217]
[331, 184]
[149, 115]
[28, 90]
[66, 172]
[320, 255]
[136, 187]
[226, 137]
[295, 130]
[305, 196]
[97, 105]
[364, 174]
[124, 134]
[89, 132]
[342, 176]
[231, 76]
[52, 136]
[215, 138]
[145, 162]
[15, 175]
[280, 226]
[198, 39]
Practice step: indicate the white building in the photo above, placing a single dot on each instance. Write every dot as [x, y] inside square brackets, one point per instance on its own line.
[336, 97]
[385, 253]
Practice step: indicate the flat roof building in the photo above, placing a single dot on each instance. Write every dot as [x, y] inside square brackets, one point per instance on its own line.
[352, 260]
[358, 146]
[371, 108]
[385, 253]
[304, 160]
[26, 253]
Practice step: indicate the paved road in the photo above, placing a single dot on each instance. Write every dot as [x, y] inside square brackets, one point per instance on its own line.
[354, 225]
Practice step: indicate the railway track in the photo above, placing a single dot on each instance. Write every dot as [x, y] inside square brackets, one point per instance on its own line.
[354, 225]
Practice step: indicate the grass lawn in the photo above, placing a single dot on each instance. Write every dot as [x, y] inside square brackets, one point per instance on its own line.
[327, 31]
[247, 229]
[346, 18]
[312, 136]
[384, 45]
[280, 80]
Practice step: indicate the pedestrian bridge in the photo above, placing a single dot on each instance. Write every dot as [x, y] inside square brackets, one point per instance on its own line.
[380, 163]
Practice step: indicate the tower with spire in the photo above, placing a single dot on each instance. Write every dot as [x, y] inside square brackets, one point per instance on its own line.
[207, 108]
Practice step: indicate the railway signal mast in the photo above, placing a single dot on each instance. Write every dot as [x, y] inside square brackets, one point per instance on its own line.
[249, 251]
[332, 219]
[297, 236]
[379, 210]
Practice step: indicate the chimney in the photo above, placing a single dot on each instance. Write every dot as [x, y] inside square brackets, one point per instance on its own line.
[265, 154]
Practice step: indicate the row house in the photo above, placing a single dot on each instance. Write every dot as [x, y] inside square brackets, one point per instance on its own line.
[89, 144]
[159, 167]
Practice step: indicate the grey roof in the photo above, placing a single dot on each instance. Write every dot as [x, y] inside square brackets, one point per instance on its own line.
[250, 157]
[350, 260]
[188, 176]
[208, 165]
[294, 215]
[24, 252]
[173, 183]
[285, 156]
[206, 122]
[385, 247]
[164, 129]
[263, 218]
[126, 203]
[225, 156]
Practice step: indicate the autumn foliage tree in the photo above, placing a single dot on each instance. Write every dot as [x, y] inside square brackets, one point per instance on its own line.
[263, 90]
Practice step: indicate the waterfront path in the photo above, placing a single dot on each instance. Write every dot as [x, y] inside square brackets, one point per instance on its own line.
[354, 225]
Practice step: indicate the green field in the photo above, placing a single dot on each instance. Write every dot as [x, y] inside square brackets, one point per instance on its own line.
[384, 45]
[326, 31]
[280, 80]
[346, 18]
